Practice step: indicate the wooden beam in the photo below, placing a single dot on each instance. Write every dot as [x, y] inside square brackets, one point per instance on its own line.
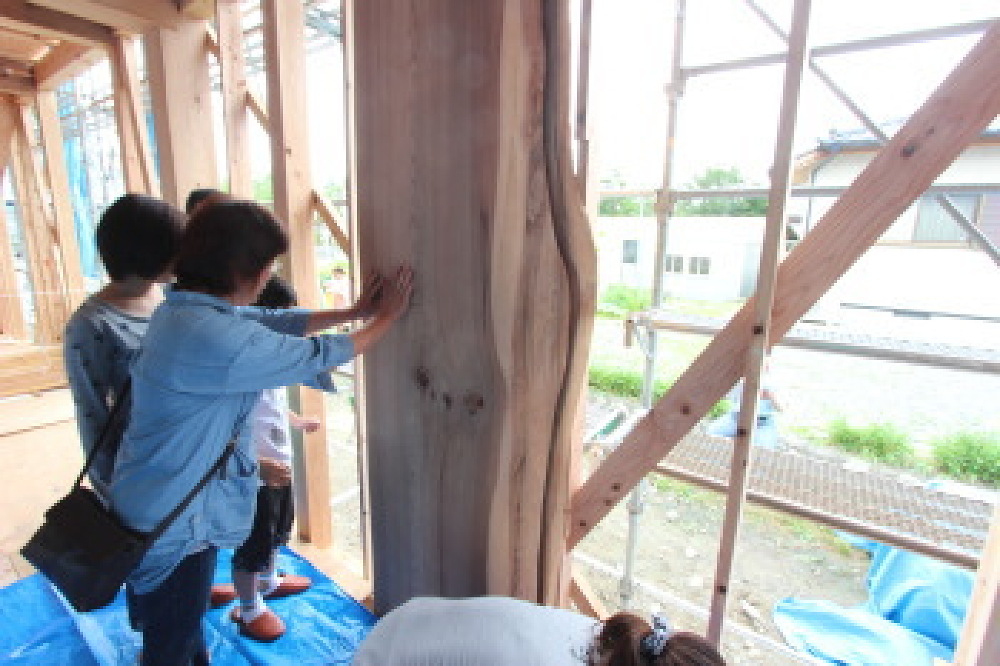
[180, 87]
[232, 66]
[57, 177]
[65, 61]
[53, 22]
[954, 116]
[259, 112]
[284, 48]
[17, 85]
[40, 233]
[133, 138]
[20, 67]
[124, 15]
[979, 644]
[19, 46]
[325, 212]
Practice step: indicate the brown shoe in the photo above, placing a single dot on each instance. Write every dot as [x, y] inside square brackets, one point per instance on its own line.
[222, 595]
[289, 585]
[265, 628]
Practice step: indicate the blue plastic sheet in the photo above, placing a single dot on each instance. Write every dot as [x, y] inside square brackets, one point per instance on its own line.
[914, 614]
[325, 626]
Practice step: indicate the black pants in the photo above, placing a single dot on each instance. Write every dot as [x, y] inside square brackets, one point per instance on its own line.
[170, 616]
[272, 526]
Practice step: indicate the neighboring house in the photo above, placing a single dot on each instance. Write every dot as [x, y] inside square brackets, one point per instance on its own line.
[708, 258]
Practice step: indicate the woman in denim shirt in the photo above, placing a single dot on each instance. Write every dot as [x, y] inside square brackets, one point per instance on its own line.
[204, 361]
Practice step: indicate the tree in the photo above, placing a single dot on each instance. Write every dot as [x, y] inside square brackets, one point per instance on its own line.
[719, 178]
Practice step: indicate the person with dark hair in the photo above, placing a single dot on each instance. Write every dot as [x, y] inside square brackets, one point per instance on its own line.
[205, 359]
[202, 195]
[137, 238]
[497, 631]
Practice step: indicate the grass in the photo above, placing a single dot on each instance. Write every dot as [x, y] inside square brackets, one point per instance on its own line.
[877, 441]
[628, 384]
[969, 457]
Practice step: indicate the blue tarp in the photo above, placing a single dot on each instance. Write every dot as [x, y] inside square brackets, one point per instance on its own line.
[325, 626]
[914, 613]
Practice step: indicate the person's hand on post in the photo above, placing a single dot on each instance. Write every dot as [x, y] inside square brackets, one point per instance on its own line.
[371, 293]
[396, 294]
[274, 473]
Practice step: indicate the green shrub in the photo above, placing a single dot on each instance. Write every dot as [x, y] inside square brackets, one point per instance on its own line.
[880, 441]
[628, 299]
[969, 456]
[628, 384]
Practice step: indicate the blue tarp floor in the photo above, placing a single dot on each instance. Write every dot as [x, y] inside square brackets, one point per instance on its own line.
[325, 626]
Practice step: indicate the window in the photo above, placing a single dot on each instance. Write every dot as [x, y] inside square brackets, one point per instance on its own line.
[699, 265]
[630, 252]
[673, 263]
[936, 225]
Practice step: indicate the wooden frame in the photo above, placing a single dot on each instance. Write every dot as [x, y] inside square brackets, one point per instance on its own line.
[136, 154]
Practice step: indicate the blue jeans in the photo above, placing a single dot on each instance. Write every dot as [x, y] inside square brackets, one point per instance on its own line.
[170, 616]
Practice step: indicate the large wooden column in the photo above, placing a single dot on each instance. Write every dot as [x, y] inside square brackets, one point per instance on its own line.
[133, 138]
[177, 65]
[462, 170]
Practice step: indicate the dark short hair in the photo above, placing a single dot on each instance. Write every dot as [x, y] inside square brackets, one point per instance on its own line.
[139, 236]
[196, 197]
[277, 294]
[225, 244]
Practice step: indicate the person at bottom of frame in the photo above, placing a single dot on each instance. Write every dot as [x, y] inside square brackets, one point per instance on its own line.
[497, 631]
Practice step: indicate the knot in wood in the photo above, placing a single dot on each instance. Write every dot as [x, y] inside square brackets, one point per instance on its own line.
[422, 378]
[474, 402]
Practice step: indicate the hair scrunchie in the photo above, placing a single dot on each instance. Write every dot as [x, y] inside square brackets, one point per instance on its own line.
[652, 644]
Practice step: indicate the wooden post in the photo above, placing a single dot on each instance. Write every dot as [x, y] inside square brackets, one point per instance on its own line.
[774, 235]
[133, 138]
[40, 233]
[979, 644]
[958, 111]
[62, 205]
[284, 46]
[12, 320]
[235, 111]
[462, 170]
[177, 65]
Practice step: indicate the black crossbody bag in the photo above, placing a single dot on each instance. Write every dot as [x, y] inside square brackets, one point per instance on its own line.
[82, 547]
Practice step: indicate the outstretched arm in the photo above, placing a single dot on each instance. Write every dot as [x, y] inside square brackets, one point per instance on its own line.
[364, 307]
[392, 302]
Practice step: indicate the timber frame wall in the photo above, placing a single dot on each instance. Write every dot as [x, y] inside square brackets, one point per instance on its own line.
[478, 391]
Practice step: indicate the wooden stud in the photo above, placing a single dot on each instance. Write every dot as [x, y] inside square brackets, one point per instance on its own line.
[954, 116]
[180, 88]
[133, 138]
[586, 600]
[284, 47]
[40, 233]
[62, 206]
[979, 644]
[774, 234]
[232, 67]
[259, 112]
[12, 322]
[17, 85]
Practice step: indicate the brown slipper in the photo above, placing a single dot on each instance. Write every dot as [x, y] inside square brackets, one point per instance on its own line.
[265, 628]
[222, 595]
[289, 585]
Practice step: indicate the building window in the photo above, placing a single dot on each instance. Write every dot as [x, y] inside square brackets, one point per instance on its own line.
[630, 252]
[699, 265]
[673, 263]
[936, 225]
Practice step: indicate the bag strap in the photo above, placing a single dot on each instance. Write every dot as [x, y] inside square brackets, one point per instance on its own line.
[165, 523]
[115, 417]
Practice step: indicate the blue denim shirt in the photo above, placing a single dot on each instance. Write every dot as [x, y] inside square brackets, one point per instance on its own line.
[202, 367]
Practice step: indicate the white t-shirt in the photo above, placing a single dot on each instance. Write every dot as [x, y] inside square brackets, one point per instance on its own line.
[269, 426]
[480, 631]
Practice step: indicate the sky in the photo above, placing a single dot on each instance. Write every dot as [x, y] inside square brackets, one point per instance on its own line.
[726, 119]
[730, 119]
